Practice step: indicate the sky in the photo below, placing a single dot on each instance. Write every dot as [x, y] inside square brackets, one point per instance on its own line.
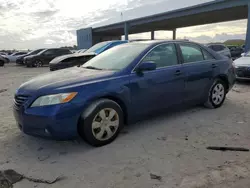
[31, 24]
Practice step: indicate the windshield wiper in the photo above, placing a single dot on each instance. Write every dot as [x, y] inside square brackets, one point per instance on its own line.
[91, 67]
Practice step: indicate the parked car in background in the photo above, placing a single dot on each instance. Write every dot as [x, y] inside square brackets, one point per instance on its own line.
[44, 57]
[120, 85]
[242, 66]
[13, 57]
[71, 60]
[2, 61]
[20, 58]
[3, 55]
[81, 51]
[220, 48]
[243, 47]
[236, 51]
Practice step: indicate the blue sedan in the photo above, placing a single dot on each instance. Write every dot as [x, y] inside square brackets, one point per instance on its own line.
[120, 85]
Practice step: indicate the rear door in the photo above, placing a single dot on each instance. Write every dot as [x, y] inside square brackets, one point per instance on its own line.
[199, 66]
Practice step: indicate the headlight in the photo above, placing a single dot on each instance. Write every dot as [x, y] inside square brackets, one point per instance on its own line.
[54, 99]
[235, 66]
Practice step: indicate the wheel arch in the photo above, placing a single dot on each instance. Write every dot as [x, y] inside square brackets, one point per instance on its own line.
[88, 108]
[224, 78]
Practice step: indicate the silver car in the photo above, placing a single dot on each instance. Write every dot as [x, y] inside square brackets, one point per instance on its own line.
[220, 48]
[242, 66]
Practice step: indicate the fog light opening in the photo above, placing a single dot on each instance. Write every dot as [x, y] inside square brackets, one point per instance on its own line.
[47, 131]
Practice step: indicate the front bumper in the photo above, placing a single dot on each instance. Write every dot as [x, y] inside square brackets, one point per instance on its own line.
[20, 61]
[243, 73]
[56, 122]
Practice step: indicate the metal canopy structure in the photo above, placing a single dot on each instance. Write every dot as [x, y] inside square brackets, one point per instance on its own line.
[207, 13]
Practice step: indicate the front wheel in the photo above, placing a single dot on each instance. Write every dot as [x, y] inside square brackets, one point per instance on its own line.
[38, 63]
[217, 94]
[101, 123]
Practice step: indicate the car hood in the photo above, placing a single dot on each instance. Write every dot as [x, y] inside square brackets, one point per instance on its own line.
[22, 56]
[63, 57]
[62, 79]
[31, 56]
[243, 61]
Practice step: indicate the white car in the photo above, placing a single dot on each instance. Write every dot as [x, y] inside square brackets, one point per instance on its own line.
[242, 66]
[14, 56]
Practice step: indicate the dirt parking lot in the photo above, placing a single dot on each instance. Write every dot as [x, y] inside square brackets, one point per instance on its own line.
[171, 146]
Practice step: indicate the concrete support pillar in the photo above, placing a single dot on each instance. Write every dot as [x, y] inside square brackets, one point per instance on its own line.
[126, 30]
[152, 35]
[174, 34]
[247, 44]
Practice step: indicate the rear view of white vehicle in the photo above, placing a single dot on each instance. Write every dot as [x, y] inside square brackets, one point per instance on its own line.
[220, 48]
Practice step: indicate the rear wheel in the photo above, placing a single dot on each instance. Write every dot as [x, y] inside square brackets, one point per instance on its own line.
[101, 123]
[217, 94]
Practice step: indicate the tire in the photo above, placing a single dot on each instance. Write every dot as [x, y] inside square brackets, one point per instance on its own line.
[95, 123]
[38, 63]
[1, 63]
[217, 94]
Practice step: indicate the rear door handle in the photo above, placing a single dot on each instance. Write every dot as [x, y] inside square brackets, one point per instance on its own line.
[214, 65]
[178, 72]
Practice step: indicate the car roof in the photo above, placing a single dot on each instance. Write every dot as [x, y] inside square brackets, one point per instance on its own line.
[216, 44]
[155, 42]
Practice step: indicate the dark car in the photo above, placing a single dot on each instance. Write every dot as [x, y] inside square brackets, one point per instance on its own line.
[20, 58]
[220, 48]
[236, 51]
[120, 85]
[81, 58]
[2, 61]
[44, 57]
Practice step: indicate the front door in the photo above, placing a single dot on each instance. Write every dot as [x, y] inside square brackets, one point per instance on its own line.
[158, 88]
[49, 55]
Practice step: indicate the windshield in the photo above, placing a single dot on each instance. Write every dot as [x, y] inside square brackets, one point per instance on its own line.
[97, 46]
[42, 52]
[116, 58]
[35, 52]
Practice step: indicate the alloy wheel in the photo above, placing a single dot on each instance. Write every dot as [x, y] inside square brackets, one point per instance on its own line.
[38, 63]
[218, 94]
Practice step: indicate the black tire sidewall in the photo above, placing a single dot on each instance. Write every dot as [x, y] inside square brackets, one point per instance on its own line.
[211, 93]
[1, 63]
[86, 123]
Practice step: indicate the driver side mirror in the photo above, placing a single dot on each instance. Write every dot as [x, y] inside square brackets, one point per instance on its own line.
[146, 66]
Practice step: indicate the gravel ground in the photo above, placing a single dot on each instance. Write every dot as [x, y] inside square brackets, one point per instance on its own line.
[171, 145]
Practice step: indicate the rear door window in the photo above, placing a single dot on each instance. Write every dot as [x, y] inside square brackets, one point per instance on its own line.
[191, 53]
[50, 52]
[207, 56]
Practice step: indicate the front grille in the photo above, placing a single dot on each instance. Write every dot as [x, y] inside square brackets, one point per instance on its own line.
[243, 72]
[20, 100]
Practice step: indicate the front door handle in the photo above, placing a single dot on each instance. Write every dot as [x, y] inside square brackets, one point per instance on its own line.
[178, 72]
[214, 65]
